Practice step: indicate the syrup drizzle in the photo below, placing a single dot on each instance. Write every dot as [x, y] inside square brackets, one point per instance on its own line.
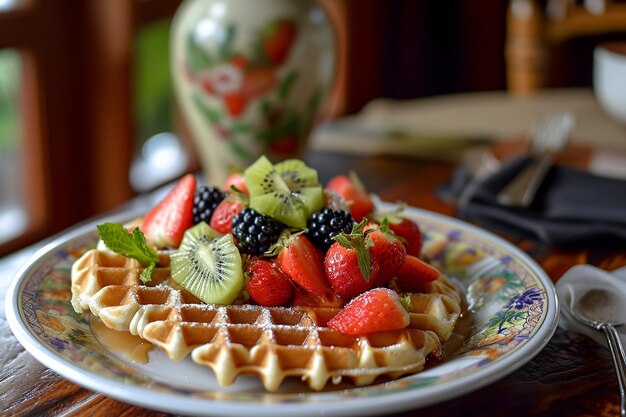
[123, 344]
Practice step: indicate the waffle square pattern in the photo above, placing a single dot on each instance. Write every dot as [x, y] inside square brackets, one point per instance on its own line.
[271, 342]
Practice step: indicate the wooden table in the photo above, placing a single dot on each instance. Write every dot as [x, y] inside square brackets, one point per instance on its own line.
[572, 376]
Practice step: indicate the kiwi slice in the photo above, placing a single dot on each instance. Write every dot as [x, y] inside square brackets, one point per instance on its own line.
[208, 265]
[288, 191]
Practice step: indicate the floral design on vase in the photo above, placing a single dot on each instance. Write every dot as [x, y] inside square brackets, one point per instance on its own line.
[251, 86]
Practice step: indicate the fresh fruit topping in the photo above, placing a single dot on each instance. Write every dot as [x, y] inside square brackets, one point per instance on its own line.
[354, 193]
[130, 244]
[166, 223]
[288, 191]
[237, 181]
[303, 263]
[348, 264]
[267, 285]
[405, 228]
[376, 310]
[414, 272]
[334, 201]
[304, 298]
[326, 224]
[208, 265]
[255, 232]
[388, 251]
[205, 200]
[225, 212]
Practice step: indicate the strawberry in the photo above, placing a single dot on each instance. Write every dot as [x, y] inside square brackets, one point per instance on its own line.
[408, 231]
[354, 193]
[376, 310]
[414, 272]
[166, 223]
[222, 217]
[301, 261]
[236, 180]
[267, 285]
[277, 40]
[304, 298]
[388, 251]
[411, 234]
[349, 267]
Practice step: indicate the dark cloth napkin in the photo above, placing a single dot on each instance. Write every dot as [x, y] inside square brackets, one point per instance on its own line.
[570, 208]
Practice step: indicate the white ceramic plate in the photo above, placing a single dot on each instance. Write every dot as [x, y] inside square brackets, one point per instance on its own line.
[512, 300]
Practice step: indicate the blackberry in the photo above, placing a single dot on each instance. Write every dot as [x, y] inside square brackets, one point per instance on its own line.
[327, 223]
[205, 200]
[255, 232]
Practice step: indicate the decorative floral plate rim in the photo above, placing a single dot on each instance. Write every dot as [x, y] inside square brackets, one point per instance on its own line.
[513, 301]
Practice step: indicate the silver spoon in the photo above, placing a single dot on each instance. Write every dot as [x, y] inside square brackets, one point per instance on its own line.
[603, 311]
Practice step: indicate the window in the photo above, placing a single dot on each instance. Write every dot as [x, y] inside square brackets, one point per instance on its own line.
[66, 110]
[13, 213]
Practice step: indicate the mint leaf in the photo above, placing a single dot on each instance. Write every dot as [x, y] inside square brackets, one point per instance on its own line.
[132, 245]
[146, 275]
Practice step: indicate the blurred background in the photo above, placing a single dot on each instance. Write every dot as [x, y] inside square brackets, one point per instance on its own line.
[88, 118]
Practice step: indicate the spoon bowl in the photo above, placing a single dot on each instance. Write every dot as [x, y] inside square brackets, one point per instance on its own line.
[603, 311]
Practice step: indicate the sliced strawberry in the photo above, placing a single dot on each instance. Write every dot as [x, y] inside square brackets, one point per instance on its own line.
[355, 195]
[166, 223]
[377, 310]
[349, 266]
[302, 262]
[222, 217]
[388, 251]
[237, 180]
[414, 272]
[267, 285]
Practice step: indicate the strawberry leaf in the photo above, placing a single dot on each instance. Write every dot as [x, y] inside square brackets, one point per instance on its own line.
[360, 243]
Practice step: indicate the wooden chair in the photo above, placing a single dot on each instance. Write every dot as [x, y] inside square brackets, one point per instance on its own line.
[534, 27]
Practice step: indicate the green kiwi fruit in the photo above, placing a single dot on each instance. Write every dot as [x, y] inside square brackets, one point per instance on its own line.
[208, 265]
[288, 191]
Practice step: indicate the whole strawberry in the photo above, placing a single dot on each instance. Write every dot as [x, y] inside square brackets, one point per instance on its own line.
[376, 310]
[354, 193]
[222, 217]
[388, 251]
[166, 223]
[267, 285]
[411, 234]
[406, 229]
[237, 181]
[349, 266]
[301, 261]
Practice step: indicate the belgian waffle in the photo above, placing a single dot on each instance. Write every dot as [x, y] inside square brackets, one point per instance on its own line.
[271, 342]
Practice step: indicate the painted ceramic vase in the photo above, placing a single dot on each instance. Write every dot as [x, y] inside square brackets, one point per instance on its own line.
[251, 77]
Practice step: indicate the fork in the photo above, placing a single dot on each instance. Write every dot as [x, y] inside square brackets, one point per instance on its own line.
[549, 138]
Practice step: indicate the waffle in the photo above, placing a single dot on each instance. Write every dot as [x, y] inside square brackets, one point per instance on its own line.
[271, 342]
